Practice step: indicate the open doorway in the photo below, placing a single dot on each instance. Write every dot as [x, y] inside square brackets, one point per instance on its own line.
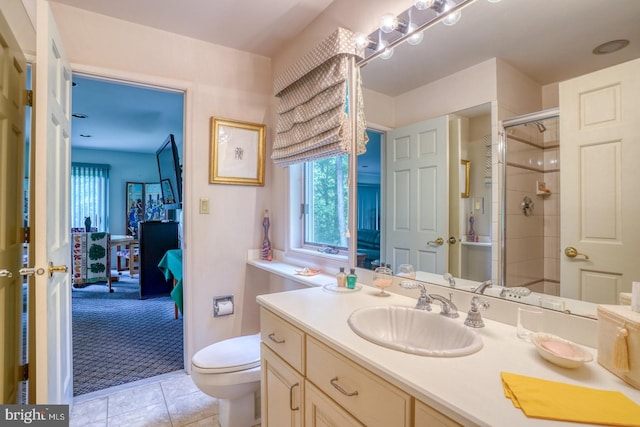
[121, 334]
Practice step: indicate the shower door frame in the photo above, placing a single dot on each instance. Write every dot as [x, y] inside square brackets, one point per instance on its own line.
[507, 123]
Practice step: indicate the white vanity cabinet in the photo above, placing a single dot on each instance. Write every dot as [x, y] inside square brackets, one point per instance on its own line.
[282, 377]
[282, 392]
[306, 383]
[370, 399]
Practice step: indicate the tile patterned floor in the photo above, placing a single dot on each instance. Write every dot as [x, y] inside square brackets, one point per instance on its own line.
[169, 400]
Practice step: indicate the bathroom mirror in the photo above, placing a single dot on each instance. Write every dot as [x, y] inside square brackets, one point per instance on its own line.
[545, 41]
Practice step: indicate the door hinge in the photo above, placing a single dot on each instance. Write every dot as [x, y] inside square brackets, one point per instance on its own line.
[27, 235]
[24, 372]
[29, 98]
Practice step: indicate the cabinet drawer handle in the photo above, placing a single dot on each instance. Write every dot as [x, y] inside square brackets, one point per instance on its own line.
[291, 397]
[272, 337]
[334, 383]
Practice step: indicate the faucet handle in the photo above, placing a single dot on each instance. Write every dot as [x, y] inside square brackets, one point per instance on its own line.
[424, 301]
[474, 318]
[449, 278]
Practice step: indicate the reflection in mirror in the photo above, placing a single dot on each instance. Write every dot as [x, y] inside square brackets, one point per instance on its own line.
[511, 67]
[423, 202]
[532, 204]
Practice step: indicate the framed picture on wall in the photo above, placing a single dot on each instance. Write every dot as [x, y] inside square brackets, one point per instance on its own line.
[144, 203]
[153, 204]
[135, 207]
[237, 151]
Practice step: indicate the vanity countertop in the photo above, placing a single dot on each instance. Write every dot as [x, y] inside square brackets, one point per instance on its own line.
[467, 389]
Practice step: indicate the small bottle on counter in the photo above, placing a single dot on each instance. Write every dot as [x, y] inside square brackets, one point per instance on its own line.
[341, 278]
[351, 279]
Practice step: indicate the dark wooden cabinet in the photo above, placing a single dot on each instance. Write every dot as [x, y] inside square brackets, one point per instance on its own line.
[155, 238]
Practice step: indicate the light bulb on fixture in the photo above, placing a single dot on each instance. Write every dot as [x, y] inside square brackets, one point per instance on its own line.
[388, 22]
[416, 38]
[410, 29]
[361, 41]
[453, 17]
[423, 4]
[387, 52]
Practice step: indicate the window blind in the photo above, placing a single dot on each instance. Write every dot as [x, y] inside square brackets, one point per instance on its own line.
[313, 114]
[90, 195]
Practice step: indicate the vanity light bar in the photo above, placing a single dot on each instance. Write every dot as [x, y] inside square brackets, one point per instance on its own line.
[419, 19]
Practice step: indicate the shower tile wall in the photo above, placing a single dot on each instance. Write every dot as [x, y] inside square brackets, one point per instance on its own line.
[532, 248]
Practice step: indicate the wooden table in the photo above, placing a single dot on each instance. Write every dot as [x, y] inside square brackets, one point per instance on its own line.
[117, 241]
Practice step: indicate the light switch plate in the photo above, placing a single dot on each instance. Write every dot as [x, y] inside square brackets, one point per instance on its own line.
[204, 206]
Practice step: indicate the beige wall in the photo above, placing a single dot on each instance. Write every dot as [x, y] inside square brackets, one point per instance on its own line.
[219, 82]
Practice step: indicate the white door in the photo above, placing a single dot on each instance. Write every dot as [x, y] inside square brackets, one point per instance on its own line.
[456, 211]
[12, 151]
[600, 133]
[51, 234]
[416, 201]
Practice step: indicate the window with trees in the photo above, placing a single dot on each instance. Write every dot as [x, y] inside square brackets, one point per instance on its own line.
[326, 206]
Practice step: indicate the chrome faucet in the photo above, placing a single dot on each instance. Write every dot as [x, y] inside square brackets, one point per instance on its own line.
[449, 278]
[474, 318]
[448, 308]
[482, 286]
[424, 300]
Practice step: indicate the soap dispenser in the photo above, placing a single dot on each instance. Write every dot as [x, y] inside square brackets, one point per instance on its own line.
[341, 278]
[351, 279]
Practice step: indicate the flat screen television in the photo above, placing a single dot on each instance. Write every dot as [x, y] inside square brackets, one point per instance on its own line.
[170, 173]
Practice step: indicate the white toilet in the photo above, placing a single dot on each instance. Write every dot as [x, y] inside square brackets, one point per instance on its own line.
[229, 370]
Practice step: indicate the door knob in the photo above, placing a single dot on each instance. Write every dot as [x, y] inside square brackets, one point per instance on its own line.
[5, 273]
[57, 269]
[439, 241]
[572, 252]
[452, 240]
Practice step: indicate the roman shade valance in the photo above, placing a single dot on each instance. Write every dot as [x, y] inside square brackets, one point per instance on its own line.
[313, 114]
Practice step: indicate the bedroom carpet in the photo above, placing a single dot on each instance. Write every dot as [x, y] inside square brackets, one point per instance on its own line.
[118, 338]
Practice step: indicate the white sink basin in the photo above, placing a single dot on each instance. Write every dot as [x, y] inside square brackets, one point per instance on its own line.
[414, 331]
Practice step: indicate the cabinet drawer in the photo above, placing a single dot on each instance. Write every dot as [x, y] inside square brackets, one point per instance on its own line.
[283, 338]
[373, 401]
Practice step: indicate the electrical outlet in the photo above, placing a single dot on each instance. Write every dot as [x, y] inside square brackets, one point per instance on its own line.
[204, 206]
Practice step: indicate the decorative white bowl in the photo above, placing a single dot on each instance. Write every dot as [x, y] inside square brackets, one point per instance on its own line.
[559, 351]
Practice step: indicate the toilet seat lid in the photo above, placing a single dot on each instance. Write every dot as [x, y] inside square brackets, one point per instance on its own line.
[231, 355]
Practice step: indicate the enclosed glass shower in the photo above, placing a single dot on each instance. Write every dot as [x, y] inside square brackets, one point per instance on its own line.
[531, 205]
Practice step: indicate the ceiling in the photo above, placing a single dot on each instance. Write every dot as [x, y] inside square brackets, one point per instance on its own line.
[256, 26]
[548, 40]
[115, 116]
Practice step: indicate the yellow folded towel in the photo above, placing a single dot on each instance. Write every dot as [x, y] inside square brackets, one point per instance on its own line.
[558, 401]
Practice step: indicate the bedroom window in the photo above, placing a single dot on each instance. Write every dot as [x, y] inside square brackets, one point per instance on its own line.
[325, 205]
[90, 195]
